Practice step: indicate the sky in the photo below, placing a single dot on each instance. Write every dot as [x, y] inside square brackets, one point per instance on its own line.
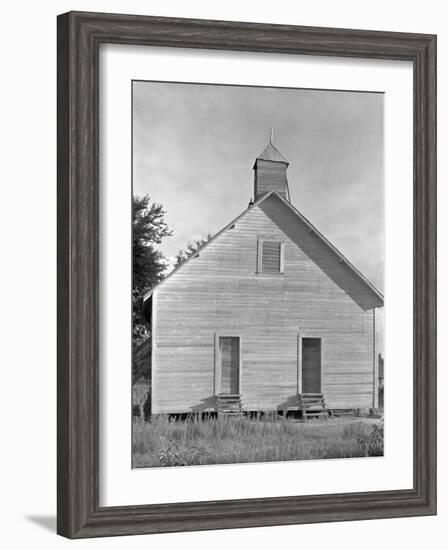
[194, 146]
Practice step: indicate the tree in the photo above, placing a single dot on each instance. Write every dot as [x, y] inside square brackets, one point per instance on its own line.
[191, 248]
[149, 264]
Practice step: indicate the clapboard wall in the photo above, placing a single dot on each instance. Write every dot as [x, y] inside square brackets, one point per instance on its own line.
[220, 293]
[270, 176]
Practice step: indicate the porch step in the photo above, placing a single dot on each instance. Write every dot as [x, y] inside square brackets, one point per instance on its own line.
[229, 404]
[313, 405]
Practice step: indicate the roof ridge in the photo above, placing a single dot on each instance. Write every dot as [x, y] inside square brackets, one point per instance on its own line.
[332, 247]
[347, 262]
[203, 246]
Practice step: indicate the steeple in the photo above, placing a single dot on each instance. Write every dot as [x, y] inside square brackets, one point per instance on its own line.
[270, 171]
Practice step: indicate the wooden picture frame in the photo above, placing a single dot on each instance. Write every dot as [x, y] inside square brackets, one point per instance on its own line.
[79, 37]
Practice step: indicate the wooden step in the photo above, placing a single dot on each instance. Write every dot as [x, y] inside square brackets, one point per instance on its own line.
[313, 405]
[228, 397]
[228, 400]
[229, 404]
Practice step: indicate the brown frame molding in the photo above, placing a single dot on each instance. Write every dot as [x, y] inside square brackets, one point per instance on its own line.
[79, 37]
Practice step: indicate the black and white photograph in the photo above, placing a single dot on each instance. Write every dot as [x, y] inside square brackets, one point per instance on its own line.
[258, 263]
[222, 232]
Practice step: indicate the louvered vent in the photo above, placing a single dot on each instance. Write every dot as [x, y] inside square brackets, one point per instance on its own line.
[271, 257]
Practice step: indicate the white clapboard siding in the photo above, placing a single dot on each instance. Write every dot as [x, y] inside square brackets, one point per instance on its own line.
[221, 293]
[270, 176]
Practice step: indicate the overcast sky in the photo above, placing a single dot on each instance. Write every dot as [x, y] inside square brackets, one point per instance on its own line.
[194, 147]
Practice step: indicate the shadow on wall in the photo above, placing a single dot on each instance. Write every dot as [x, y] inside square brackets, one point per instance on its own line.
[290, 403]
[208, 404]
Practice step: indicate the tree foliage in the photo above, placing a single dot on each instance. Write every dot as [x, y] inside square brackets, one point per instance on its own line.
[149, 264]
[191, 248]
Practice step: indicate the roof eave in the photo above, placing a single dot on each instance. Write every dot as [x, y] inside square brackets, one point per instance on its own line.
[367, 283]
[201, 248]
[285, 162]
[347, 262]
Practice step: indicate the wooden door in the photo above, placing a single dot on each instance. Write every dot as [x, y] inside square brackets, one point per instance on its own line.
[229, 347]
[311, 365]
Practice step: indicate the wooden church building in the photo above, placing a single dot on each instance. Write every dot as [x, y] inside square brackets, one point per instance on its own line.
[267, 316]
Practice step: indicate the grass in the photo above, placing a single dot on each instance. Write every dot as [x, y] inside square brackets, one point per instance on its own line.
[166, 442]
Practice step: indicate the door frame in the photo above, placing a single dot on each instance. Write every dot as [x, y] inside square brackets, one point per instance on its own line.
[300, 336]
[217, 366]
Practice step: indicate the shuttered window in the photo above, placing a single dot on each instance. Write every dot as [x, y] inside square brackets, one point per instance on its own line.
[270, 256]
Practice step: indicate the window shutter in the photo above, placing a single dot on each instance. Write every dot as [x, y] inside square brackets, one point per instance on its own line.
[271, 257]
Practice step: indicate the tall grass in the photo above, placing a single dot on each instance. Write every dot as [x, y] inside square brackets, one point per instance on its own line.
[167, 442]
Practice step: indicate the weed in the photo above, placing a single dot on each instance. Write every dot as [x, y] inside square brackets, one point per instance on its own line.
[168, 442]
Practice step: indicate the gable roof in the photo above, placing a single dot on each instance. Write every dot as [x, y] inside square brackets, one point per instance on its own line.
[272, 154]
[342, 259]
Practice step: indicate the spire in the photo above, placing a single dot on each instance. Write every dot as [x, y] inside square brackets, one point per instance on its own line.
[270, 152]
[270, 171]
